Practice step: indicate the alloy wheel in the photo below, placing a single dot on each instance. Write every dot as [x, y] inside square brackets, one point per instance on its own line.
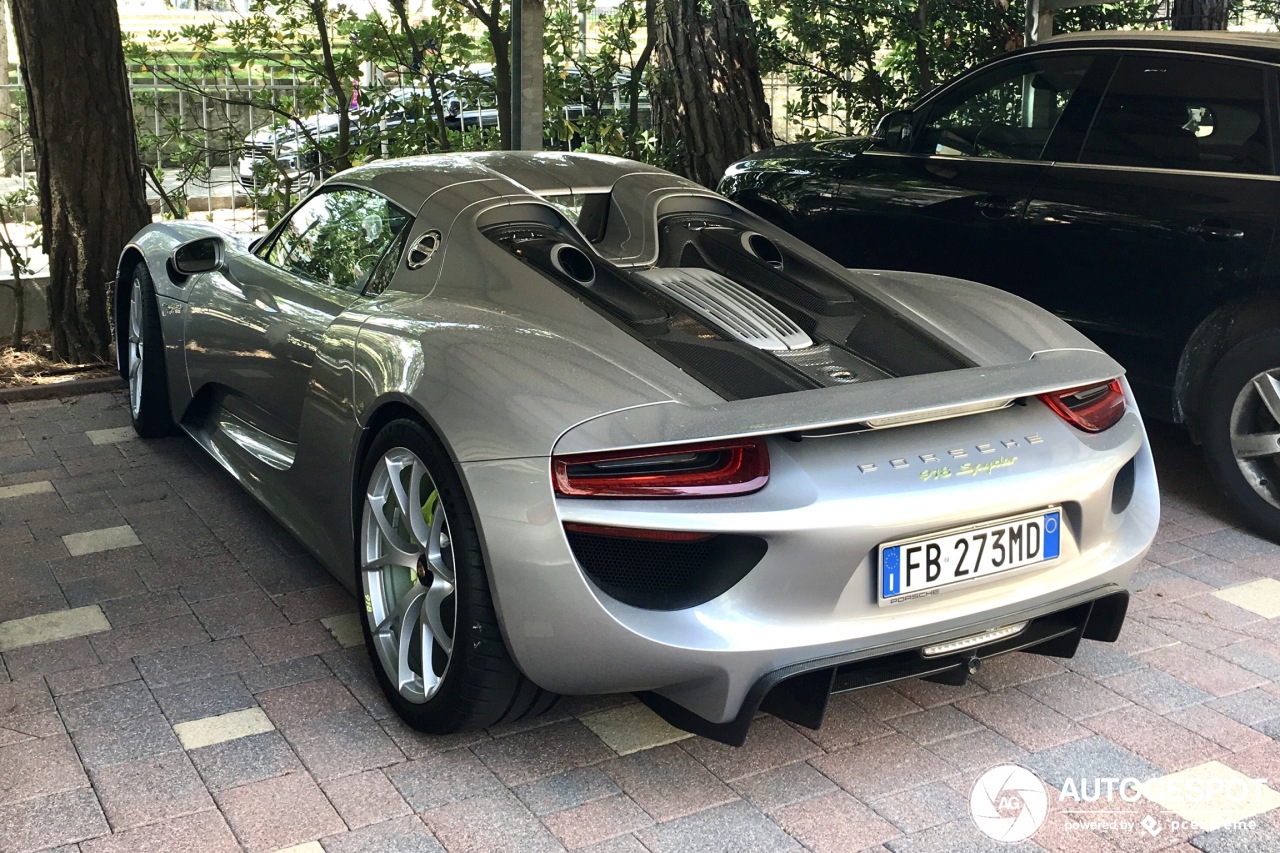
[408, 573]
[1255, 434]
[134, 355]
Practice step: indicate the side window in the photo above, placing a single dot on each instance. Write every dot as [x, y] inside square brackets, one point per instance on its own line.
[1007, 113]
[1182, 113]
[337, 237]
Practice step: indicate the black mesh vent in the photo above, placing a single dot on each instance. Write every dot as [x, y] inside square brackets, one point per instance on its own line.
[658, 575]
[733, 370]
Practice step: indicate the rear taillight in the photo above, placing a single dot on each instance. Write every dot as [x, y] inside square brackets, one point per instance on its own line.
[709, 469]
[1091, 408]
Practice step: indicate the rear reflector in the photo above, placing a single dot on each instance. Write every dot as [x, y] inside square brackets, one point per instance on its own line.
[638, 533]
[709, 469]
[1092, 408]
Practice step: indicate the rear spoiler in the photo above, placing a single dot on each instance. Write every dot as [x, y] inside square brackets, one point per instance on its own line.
[870, 405]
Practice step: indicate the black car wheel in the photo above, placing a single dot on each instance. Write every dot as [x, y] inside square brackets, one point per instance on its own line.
[1241, 430]
[144, 359]
[429, 620]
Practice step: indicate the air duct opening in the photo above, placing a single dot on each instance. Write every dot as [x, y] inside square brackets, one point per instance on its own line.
[573, 262]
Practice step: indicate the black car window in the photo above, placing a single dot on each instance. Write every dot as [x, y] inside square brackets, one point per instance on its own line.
[385, 270]
[337, 237]
[1007, 113]
[1182, 113]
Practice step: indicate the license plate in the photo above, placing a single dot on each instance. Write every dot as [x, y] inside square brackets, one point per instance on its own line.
[928, 562]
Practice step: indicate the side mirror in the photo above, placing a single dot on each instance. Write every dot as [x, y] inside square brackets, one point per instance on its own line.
[893, 133]
[199, 256]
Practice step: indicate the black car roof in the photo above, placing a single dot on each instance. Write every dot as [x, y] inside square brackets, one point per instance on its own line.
[1260, 46]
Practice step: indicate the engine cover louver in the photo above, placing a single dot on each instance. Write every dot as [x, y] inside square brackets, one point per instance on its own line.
[728, 306]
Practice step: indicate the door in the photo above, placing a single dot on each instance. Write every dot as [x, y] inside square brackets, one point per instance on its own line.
[951, 203]
[1169, 210]
[252, 332]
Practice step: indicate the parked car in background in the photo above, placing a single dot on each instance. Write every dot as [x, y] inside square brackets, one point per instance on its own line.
[1126, 181]
[573, 424]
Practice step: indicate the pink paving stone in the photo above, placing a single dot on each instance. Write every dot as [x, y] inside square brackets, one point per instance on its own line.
[494, 823]
[858, 717]
[366, 798]
[293, 641]
[1218, 728]
[298, 703]
[280, 812]
[149, 790]
[37, 768]
[1191, 627]
[1258, 762]
[783, 786]
[1138, 636]
[883, 766]
[207, 832]
[1074, 696]
[1169, 589]
[530, 755]
[1200, 669]
[1132, 838]
[667, 782]
[980, 750]
[835, 823]
[1157, 739]
[1028, 723]
[597, 821]
[771, 743]
[936, 724]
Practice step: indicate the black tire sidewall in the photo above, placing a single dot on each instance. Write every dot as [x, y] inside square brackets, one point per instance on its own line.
[153, 418]
[1239, 366]
[477, 641]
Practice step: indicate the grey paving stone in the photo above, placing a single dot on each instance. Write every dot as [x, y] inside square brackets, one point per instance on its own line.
[209, 697]
[565, 790]
[957, 837]
[783, 786]
[1091, 758]
[104, 706]
[317, 603]
[195, 662]
[495, 821]
[921, 808]
[48, 658]
[144, 607]
[1259, 838]
[131, 740]
[62, 818]
[285, 674]
[438, 779]
[244, 761]
[206, 832]
[1250, 707]
[104, 587]
[1155, 689]
[149, 637]
[342, 744]
[402, 835]
[365, 799]
[730, 828]
[523, 757]
[90, 677]
[233, 615]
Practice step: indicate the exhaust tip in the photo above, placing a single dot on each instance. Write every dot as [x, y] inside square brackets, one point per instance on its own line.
[571, 261]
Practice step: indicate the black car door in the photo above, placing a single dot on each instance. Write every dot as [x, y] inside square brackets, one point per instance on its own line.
[253, 330]
[952, 201]
[1168, 210]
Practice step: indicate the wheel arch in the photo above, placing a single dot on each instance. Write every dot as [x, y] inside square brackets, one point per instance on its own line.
[1222, 328]
[129, 260]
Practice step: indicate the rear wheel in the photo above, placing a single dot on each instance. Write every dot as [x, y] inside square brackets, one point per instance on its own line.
[1241, 430]
[429, 620]
[144, 359]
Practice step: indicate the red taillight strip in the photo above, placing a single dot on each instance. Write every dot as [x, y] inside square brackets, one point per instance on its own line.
[742, 468]
[635, 533]
[1095, 413]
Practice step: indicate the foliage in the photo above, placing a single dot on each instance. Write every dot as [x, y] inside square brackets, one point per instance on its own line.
[852, 62]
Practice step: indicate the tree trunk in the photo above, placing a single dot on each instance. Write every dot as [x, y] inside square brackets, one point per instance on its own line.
[91, 191]
[709, 107]
[8, 157]
[1200, 14]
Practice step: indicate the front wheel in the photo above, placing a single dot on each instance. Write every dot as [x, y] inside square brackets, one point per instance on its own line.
[429, 620]
[144, 359]
[1241, 430]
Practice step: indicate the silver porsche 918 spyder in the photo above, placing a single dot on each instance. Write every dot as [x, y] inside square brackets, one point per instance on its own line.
[570, 425]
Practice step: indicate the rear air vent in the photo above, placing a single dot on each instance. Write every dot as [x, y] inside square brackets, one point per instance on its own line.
[728, 306]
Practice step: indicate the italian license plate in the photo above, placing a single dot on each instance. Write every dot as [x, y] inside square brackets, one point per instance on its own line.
[927, 562]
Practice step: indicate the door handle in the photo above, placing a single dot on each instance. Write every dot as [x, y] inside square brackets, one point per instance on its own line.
[1216, 231]
[996, 206]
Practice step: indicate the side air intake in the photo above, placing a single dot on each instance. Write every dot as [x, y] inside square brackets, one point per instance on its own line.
[728, 306]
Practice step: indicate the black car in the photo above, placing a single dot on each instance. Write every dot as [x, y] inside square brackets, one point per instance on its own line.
[1125, 181]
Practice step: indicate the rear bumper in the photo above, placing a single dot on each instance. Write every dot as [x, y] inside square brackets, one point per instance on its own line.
[799, 693]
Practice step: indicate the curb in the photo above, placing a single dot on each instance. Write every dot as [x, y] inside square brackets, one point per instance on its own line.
[70, 388]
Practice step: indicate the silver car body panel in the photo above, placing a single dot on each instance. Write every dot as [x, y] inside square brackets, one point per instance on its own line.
[284, 386]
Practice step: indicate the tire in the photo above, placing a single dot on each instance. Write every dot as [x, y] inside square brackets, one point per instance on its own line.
[144, 359]
[1240, 427]
[429, 622]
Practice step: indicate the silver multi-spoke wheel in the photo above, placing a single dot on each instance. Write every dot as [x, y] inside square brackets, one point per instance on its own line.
[1255, 434]
[134, 349]
[408, 572]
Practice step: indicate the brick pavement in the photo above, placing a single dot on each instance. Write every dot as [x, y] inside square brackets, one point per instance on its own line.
[179, 675]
